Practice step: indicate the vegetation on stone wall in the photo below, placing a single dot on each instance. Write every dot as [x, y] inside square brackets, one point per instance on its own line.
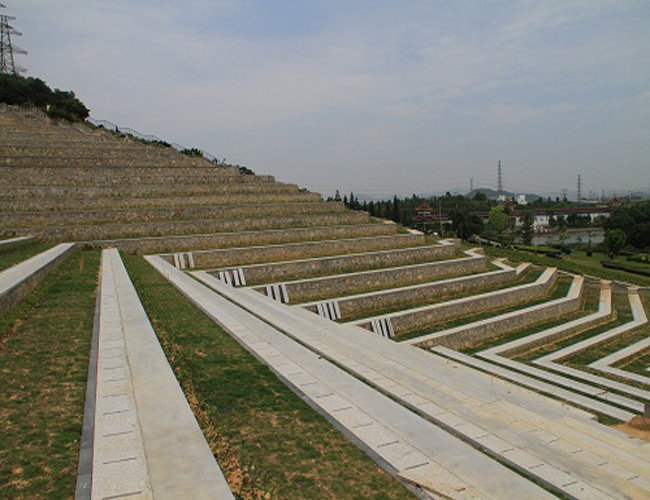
[18, 90]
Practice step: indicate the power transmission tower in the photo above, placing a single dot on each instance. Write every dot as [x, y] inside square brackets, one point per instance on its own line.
[564, 193]
[7, 50]
[499, 180]
[579, 193]
[471, 184]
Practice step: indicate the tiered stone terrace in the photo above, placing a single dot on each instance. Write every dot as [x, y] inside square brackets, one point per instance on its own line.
[422, 349]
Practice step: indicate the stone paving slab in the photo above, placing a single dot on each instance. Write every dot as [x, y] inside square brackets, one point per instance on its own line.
[536, 384]
[333, 334]
[455, 467]
[147, 441]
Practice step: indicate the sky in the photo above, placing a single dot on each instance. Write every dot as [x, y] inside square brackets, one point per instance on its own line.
[372, 96]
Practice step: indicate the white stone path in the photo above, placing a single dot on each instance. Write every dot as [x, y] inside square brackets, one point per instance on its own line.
[535, 434]
[639, 318]
[15, 240]
[147, 443]
[418, 450]
[494, 355]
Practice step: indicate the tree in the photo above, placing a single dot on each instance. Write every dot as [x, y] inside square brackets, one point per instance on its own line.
[615, 240]
[498, 219]
[465, 224]
[634, 220]
[528, 220]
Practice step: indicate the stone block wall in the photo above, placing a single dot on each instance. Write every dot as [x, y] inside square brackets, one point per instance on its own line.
[294, 251]
[153, 214]
[182, 227]
[367, 303]
[465, 337]
[424, 317]
[195, 242]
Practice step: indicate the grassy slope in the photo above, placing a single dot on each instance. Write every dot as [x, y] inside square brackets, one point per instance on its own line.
[265, 438]
[43, 369]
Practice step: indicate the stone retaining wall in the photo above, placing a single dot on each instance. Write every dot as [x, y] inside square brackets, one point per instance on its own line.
[463, 337]
[294, 251]
[239, 239]
[120, 175]
[283, 271]
[335, 286]
[46, 161]
[180, 227]
[146, 190]
[86, 217]
[67, 203]
[423, 317]
[402, 297]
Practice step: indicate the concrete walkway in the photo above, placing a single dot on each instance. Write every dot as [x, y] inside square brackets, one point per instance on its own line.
[10, 241]
[17, 281]
[541, 442]
[416, 449]
[147, 443]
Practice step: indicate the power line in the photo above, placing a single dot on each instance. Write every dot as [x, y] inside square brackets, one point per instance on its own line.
[499, 179]
[8, 64]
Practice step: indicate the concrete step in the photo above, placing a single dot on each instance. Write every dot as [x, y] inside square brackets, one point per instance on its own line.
[294, 251]
[187, 227]
[196, 242]
[310, 289]
[68, 203]
[15, 220]
[282, 271]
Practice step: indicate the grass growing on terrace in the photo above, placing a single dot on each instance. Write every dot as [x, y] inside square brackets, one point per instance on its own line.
[265, 438]
[43, 367]
[13, 253]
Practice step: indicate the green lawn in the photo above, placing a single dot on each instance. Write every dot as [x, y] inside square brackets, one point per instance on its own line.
[265, 438]
[44, 351]
[577, 263]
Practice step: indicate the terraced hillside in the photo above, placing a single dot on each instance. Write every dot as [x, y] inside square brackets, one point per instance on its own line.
[460, 376]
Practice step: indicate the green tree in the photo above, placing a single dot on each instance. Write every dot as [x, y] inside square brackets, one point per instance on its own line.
[615, 241]
[498, 219]
[634, 220]
[528, 221]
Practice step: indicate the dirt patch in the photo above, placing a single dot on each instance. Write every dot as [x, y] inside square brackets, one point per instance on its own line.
[638, 427]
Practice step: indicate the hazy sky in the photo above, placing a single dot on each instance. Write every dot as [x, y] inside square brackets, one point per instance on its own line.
[372, 96]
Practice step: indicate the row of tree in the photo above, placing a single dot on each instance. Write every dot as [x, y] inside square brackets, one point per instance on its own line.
[18, 90]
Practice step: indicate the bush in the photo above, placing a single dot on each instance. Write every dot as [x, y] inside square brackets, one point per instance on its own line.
[630, 267]
[17, 90]
[590, 253]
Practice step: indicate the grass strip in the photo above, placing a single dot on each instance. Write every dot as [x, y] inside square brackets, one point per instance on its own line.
[266, 439]
[13, 253]
[44, 349]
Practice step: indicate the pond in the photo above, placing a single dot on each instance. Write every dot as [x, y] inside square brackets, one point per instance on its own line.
[580, 236]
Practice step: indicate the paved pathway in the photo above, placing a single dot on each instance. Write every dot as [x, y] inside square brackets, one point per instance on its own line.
[541, 441]
[417, 449]
[147, 443]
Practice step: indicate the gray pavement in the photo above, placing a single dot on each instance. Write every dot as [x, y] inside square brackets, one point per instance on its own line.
[147, 442]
